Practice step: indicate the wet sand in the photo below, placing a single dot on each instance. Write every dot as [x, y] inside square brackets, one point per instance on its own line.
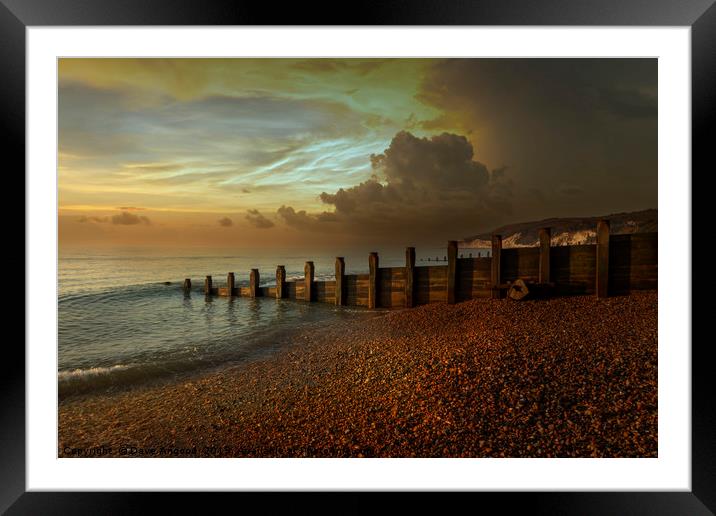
[567, 377]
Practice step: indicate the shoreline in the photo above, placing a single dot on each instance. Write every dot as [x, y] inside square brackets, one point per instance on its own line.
[271, 341]
[565, 377]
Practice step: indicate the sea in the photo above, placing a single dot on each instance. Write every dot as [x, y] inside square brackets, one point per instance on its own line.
[124, 319]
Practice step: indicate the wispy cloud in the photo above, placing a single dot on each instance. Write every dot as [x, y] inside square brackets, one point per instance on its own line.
[257, 220]
[364, 147]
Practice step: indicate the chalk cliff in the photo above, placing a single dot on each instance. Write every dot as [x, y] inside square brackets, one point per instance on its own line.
[567, 230]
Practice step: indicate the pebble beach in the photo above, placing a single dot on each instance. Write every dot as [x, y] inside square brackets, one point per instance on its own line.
[564, 377]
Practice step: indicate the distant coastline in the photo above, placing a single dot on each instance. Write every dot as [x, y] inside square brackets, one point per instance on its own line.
[566, 230]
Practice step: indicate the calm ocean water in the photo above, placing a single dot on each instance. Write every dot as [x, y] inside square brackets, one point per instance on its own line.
[120, 325]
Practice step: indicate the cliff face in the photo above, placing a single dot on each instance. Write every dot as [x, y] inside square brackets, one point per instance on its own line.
[566, 231]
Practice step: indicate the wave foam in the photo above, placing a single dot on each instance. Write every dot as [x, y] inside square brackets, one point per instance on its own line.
[92, 371]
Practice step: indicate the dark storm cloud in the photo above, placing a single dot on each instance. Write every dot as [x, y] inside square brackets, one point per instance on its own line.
[537, 194]
[629, 103]
[591, 122]
[571, 190]
[572, 88]
[420, 187]
[258, 220]
[499, 172]
[226, 222]
[129, 219]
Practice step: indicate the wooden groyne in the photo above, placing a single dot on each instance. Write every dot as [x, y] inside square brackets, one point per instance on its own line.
[616, 264]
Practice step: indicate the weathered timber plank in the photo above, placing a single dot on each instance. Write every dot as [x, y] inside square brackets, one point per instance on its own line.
[280, 282]
[409, 292]
[545, 242]
[230, 283]
[451, 273]
[254, 282]
[373, 280]
[340, 292]
[496, 274]
[520, 263]
[309, 271]
[573, 269]
[602, 276]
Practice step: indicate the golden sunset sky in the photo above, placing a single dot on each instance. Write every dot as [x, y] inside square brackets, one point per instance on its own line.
[293, 152]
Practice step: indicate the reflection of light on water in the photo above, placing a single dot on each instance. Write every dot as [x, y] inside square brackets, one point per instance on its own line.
[81, 273]
[159, 329]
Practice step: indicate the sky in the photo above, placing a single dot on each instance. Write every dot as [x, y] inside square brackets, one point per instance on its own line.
[290, 153]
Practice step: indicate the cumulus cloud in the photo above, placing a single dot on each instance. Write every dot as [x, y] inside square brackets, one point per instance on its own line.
[257, 220]
[99, 220]
[367, 193]
[420, 187]
[303, 220]
[225, 222]
[443, 162]
[129, 219]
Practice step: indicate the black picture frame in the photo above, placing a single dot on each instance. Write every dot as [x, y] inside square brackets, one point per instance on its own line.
[700, 15]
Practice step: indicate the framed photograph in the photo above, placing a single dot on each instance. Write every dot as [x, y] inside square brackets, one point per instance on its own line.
[418, 252]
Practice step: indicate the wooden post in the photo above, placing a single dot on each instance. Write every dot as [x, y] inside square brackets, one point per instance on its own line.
[254, 283]
[230, 283]
[308, 271]
[373, 280]
[602, 280]
[340, 278]
[187, 285]
[451, 270]
[495, 272]
[545, 239]
[280, 281]
[409, 277]
[207, 286]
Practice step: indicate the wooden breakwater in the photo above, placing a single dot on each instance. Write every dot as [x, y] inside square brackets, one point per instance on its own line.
[616, 264]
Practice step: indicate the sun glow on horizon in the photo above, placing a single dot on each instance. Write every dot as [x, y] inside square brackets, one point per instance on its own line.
[310, 150]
